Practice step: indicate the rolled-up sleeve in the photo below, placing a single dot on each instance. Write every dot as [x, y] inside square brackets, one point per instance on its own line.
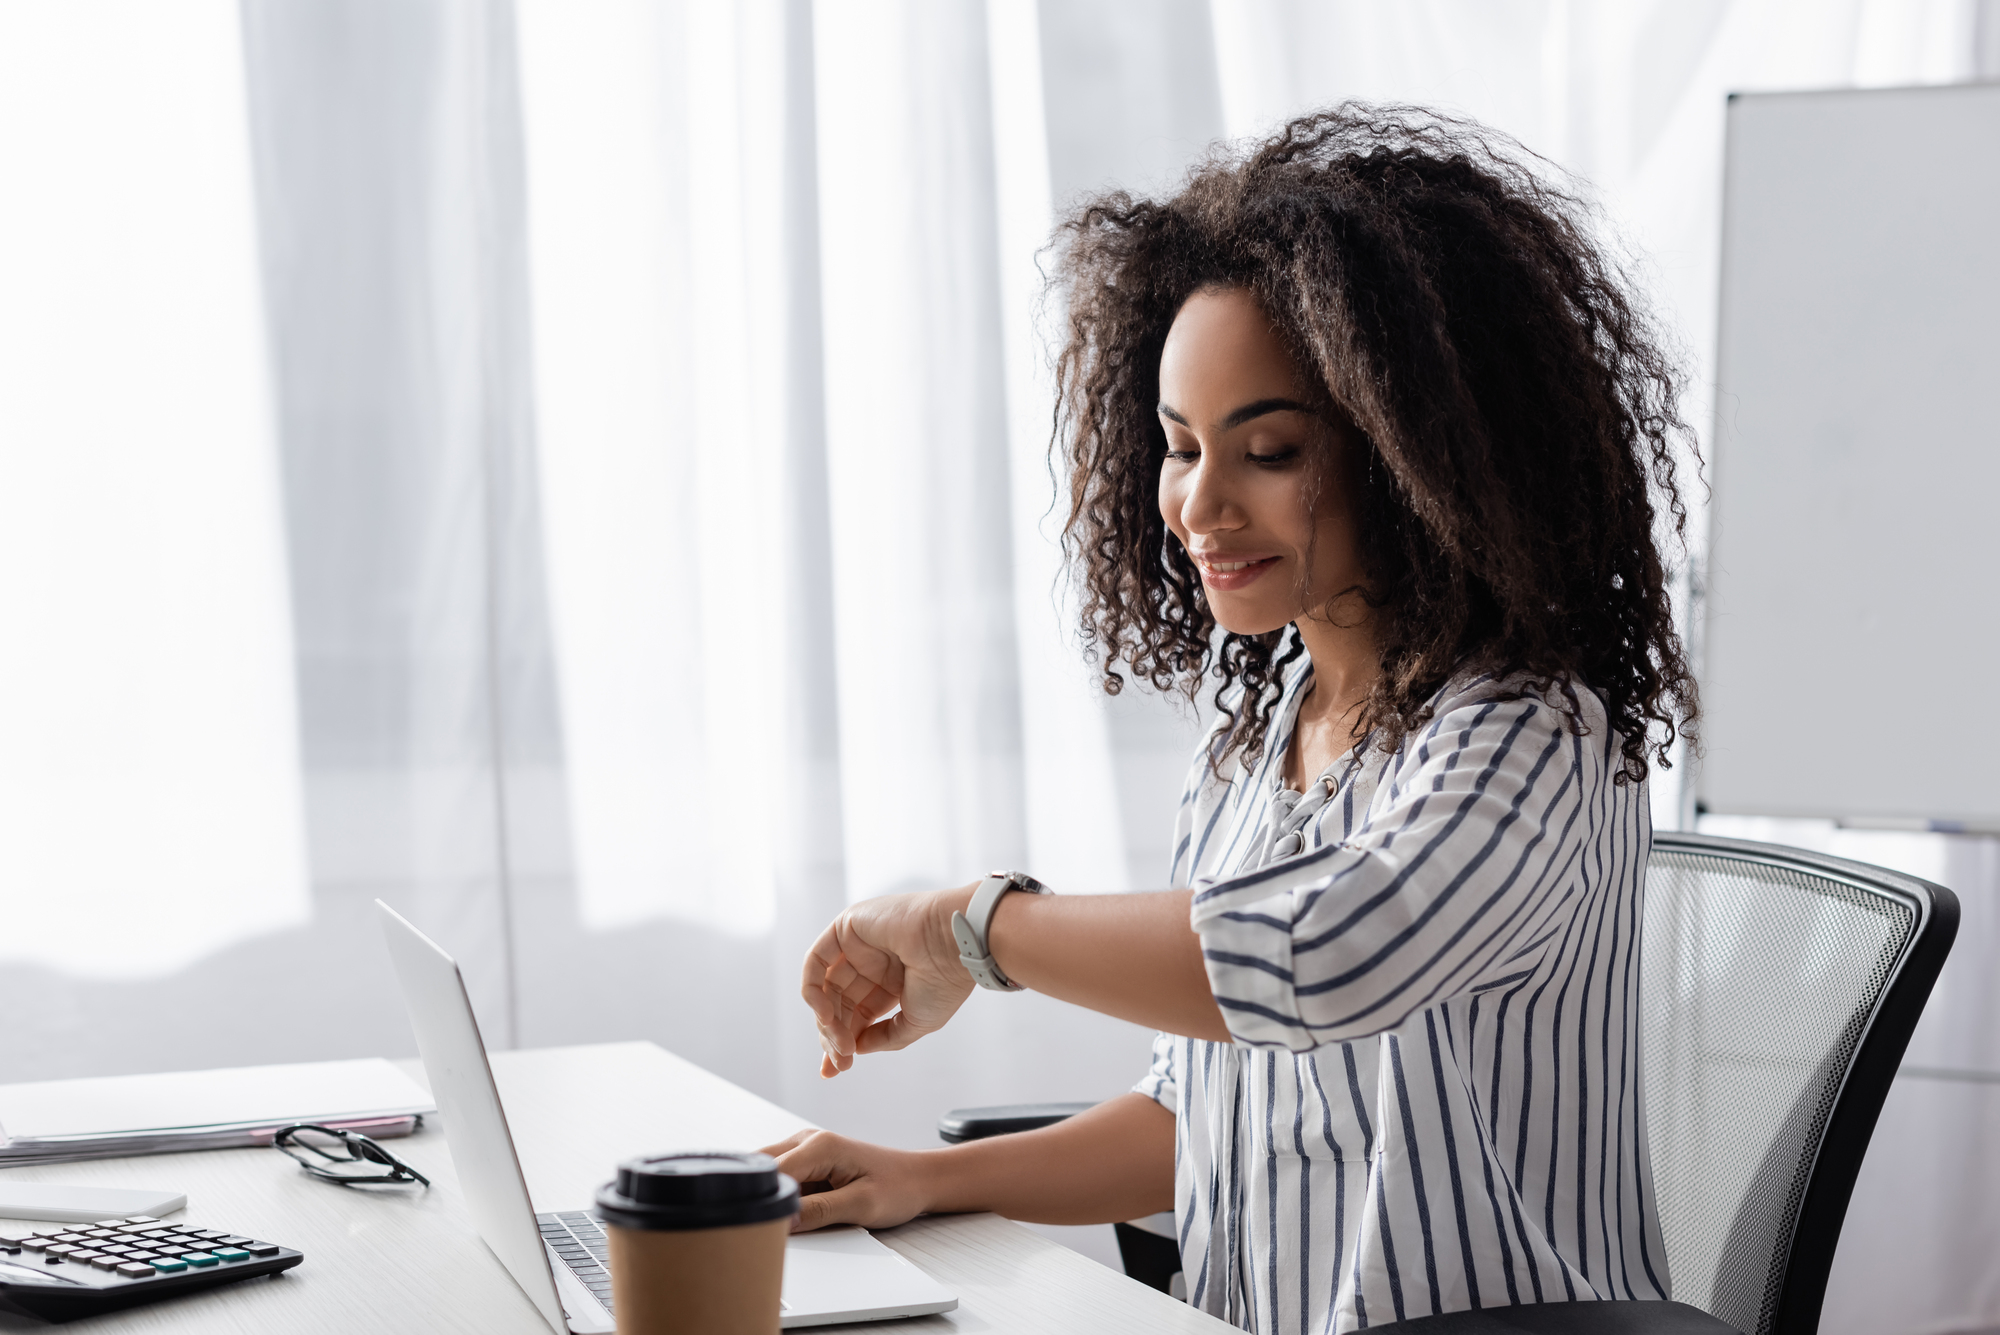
[1455, 882]
[1162, 1082]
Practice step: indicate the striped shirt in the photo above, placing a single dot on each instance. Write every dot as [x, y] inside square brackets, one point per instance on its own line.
[1429, 964]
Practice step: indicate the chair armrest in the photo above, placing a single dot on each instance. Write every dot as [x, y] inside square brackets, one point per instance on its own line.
[963, 1124]
[1585, 1318]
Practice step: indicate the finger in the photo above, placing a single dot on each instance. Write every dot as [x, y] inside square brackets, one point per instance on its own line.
[852, 991]
[818, 1156]
[832, 1060]
[843, 1011]
[838, 1047]
[825, 952]
[891, 1035]
[862, 967]
[837, 1033]
[832, 982]
[828, 1066]
[848, 955]
[843, 1205]
[789, 1143]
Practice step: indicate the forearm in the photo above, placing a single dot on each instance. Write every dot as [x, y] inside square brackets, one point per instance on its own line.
[1129, 956]
[887, 971]
[1113, 1162]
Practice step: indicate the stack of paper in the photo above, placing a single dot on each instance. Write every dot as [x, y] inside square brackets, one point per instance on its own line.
[106, 1117]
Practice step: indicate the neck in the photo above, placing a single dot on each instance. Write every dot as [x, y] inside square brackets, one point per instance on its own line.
[1340, 641]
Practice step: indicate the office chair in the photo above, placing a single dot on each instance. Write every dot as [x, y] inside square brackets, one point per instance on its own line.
[1778, 991]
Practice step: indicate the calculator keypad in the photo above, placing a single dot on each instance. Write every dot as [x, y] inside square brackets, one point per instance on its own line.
[140, 1247]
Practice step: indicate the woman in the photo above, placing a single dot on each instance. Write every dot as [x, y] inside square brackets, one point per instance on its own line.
[1364, 426]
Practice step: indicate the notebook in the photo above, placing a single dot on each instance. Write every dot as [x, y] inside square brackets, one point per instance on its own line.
[99, 1117]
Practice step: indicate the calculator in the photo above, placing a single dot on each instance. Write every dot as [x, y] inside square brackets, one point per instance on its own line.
[69, 1270]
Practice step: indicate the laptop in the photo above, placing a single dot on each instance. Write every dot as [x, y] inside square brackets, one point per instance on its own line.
[558, 1258]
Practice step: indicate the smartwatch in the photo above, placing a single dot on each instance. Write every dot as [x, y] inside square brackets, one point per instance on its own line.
[969, 928]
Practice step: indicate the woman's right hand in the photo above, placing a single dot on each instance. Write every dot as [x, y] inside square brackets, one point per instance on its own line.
[885, 973]
[852, 1182]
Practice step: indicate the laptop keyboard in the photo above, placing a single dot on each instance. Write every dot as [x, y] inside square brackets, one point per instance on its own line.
[579, 1240]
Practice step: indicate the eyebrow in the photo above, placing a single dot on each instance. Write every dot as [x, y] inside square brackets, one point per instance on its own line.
[1244, 414]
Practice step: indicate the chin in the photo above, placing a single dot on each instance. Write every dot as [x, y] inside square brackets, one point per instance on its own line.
[1246, 621]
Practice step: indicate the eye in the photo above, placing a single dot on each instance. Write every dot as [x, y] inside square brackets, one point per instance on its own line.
[1275, 458]
[1183, 456]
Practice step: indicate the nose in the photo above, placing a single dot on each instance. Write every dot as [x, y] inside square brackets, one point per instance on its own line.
[1206, 503]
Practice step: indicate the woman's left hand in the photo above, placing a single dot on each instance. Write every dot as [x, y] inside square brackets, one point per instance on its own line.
[844, 1181]
[895, 954]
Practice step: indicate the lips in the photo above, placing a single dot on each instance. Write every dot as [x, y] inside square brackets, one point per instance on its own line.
[1231, 573]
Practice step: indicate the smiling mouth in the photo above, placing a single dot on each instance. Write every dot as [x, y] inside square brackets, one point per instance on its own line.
[1230, 576]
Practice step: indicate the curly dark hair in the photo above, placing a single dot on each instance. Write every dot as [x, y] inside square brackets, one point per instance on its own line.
[1519, 411]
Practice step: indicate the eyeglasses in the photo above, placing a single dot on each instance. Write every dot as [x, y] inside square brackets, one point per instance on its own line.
[345, 1157]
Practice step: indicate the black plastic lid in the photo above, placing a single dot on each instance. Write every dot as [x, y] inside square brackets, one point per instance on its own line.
[698, 1189]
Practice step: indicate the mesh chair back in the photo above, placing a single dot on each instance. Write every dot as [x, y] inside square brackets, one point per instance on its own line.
[1780, 988]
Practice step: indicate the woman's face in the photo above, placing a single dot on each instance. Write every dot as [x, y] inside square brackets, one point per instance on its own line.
[1234, 487]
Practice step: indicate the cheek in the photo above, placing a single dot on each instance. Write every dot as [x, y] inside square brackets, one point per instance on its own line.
[1337, 546]
[1281, 507]
[1170, 503]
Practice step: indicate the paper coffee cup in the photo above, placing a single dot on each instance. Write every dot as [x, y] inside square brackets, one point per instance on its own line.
[697, 1242]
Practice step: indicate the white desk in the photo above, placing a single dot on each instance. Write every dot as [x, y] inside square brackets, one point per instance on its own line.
[410, 1261]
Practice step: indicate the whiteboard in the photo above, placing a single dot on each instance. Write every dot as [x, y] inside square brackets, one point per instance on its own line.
[1851, 609]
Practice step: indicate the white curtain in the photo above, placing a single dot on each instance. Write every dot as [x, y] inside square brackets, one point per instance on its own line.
[805, 613]
[628, 535]
[139, 525]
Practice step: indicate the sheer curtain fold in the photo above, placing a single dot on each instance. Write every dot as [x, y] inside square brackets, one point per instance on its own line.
[656, 152]
[783, 494]
[916, 445]
[139, 521]
[389, 191]
[1070, 796]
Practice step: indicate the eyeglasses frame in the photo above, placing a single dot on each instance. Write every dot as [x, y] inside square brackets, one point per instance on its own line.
[362, 1148]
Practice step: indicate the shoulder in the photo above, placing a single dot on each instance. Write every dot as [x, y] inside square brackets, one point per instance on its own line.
[1521, 694]
[1514, 718]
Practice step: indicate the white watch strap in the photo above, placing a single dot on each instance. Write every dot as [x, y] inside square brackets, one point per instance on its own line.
[968, 929]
